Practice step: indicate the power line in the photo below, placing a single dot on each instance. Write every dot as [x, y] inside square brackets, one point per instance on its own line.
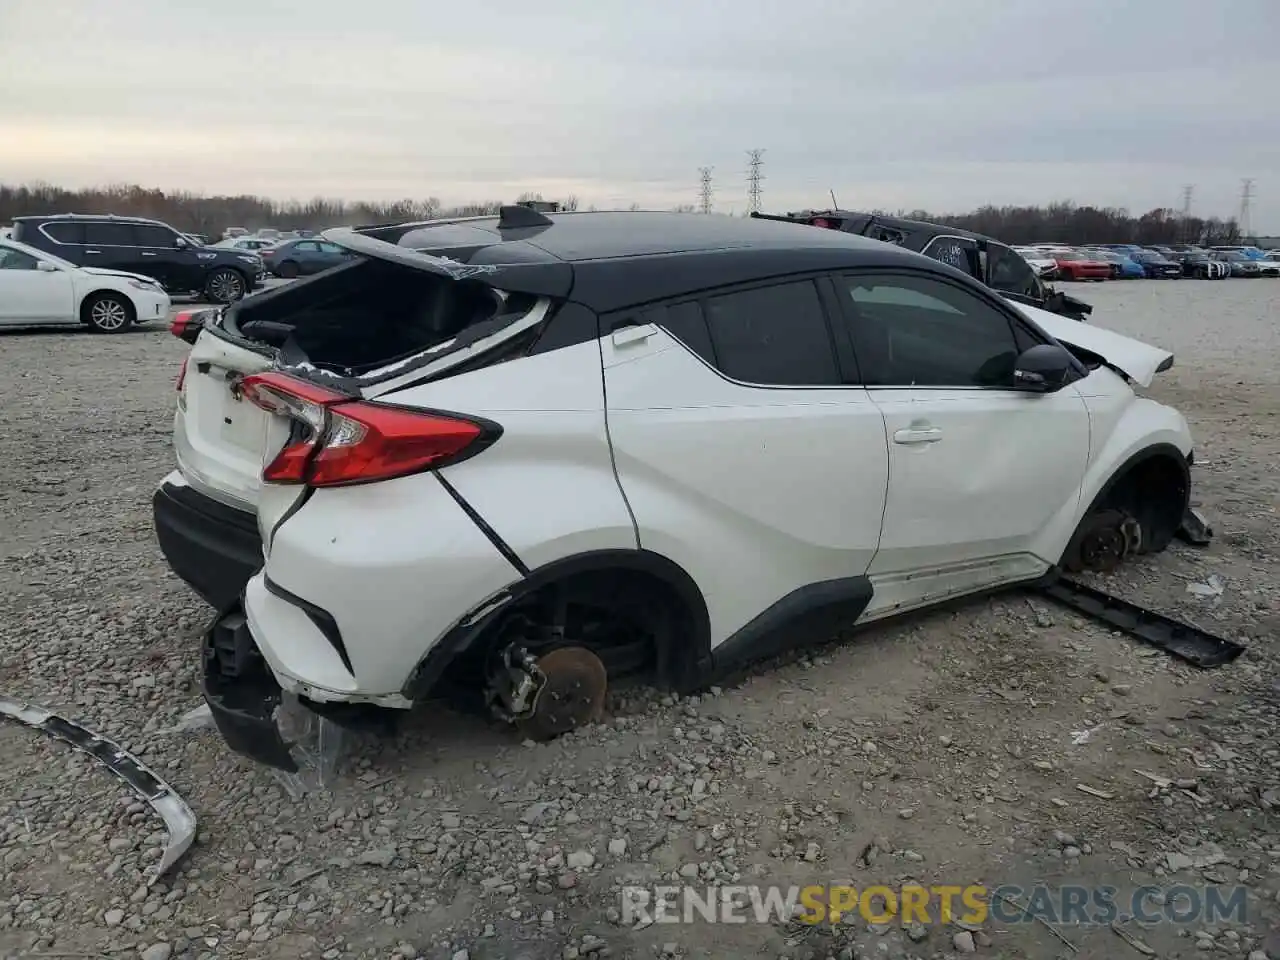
[755, 159]
[1185, 225]
[1246, 194]
[704, 192]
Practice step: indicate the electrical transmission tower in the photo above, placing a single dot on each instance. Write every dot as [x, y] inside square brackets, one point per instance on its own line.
[755, 159]
[1246, 194]
[704, 192]
[1187, 191]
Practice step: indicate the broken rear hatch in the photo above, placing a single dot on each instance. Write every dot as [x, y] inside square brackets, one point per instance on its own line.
[395, 317]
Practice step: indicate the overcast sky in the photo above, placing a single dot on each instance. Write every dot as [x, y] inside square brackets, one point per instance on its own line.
[940, 104]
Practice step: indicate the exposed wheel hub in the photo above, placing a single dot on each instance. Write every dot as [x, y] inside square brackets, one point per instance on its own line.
[572, 695]
[1103, 541]
[559, 691]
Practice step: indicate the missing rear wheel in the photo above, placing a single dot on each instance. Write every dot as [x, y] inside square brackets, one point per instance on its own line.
[571, 696]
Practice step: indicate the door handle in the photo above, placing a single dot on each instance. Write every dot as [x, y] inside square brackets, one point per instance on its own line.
[629, 335]
[918, 435]
[147, 253]
[93, 251]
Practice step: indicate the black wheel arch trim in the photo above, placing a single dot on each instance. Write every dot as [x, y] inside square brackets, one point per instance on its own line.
[691, 662]
[1156, 451]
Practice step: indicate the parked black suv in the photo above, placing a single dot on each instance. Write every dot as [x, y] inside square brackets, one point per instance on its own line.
[148, 247]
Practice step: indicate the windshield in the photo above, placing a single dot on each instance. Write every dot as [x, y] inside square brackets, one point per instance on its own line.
[38, 254]
[1233, 256]
[1067, 256]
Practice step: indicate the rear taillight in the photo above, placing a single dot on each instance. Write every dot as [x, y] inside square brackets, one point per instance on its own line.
[338, 441]
[187, 325]
[182, 375]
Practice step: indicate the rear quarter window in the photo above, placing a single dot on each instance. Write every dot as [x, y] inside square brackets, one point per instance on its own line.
[61, 232]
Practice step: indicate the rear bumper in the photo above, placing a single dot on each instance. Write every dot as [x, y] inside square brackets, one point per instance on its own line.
[214, 548]
[241, 692]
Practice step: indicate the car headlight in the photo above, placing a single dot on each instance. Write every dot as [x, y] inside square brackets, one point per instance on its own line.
[247, 259]
[149, 285]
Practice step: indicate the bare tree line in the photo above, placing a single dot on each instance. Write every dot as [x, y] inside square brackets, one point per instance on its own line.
[1063, 221]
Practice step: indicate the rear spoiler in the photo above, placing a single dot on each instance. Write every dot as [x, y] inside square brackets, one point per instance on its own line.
[368, 246]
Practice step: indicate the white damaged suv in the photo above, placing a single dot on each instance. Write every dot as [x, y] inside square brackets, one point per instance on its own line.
[522, 456]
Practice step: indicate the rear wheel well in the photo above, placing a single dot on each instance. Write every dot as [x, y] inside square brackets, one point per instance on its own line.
[1154, 489]
[646, 623]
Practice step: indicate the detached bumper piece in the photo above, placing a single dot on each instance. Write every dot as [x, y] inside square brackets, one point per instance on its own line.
[242, 694]
[1194, 528]
[177, 816]
[1197, 647]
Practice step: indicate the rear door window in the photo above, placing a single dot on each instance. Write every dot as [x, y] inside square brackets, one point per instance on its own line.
[953, 251]
[775, 335]
[106, 234]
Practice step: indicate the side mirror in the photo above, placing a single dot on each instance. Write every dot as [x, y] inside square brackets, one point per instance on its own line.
[44, 266]
[1042, 369]
[181, 243]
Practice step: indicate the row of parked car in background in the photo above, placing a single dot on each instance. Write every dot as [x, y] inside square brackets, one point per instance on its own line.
[1129, 261]
[109, 272]
[288, 255]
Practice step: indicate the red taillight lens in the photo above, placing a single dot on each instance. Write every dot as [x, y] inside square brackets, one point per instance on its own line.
[186, 325]
[349, 441]
[369, 442]
[182, 375]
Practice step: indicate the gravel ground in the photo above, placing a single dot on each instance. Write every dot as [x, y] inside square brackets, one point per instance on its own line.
[945, 750]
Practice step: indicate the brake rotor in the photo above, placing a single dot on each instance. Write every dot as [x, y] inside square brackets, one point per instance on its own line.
[572, 696]
[1104, 540]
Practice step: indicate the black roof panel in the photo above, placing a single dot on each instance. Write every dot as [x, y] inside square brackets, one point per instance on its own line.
[595, 236]
[620, 260]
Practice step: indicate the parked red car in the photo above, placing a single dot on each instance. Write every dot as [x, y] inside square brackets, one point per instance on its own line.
[1078, 266]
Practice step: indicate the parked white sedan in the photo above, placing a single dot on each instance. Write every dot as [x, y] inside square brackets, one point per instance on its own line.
[39, 288]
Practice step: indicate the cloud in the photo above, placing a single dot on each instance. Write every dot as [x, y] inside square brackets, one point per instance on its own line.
[918, 104]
